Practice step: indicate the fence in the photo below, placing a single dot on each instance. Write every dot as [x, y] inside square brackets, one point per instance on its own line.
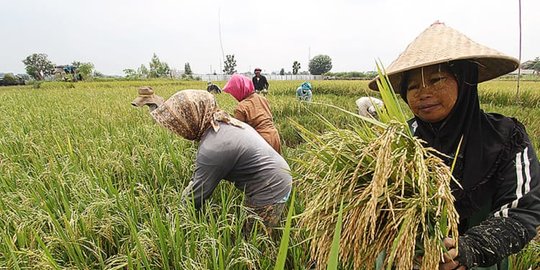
[272, 77]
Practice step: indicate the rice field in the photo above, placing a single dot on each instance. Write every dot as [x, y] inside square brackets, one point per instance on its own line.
[89, 182]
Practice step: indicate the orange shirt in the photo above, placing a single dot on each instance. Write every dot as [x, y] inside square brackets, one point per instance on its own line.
[255, 111]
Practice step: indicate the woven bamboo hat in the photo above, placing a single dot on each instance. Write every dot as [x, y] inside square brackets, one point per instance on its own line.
[146, 96]
[441, 44]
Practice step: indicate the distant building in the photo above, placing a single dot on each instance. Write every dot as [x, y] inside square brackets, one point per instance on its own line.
[67, 73]
[523, 72]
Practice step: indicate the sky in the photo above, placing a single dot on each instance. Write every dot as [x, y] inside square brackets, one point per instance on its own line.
[119, 34]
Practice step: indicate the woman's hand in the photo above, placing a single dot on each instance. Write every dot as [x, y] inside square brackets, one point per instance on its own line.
[448, 261]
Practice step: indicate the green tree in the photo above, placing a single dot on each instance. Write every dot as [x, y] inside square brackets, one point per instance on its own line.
[295, 67]
[158, 69]
[320, 64]
[530, 63]
[38, 66]
[131, 73]
[187, 69]
[143, 72]
[85, 70]
[536, 67]
[230, 64]
[282, 71]
[9, 79]
[99, 74]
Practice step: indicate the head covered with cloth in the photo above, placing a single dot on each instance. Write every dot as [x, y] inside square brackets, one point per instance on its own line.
[253, 109]
[452, 58]
[303, 92]
[438, 75]
[189, 113]
[239, 87]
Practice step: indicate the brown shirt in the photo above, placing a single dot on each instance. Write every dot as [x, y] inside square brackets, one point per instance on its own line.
[255, 111]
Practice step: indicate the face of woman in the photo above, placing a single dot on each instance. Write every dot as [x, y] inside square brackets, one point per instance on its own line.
[431, 92]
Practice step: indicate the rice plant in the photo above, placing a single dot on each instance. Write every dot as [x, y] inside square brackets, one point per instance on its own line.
[88, 182]
[396, 193]
[528, 258]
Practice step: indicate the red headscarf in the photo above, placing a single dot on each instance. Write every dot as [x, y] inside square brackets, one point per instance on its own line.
[239, 87]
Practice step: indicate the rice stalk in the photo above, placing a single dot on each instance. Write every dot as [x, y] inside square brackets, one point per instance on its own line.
[528, 258]
[396, 192]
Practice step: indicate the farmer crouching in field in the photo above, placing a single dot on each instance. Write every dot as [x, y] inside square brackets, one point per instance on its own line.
[498, 196]
[253, 109]
[148, 98]
[303, 92]
[227, 149]
[210, 87]
[368, 106]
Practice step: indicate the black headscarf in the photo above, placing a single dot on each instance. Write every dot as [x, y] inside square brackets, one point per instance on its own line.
[484, 139]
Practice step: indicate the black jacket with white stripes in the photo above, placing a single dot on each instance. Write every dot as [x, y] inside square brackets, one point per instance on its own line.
[507, 220]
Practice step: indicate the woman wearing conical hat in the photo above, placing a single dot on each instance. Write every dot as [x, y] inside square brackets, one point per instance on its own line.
[498, 196]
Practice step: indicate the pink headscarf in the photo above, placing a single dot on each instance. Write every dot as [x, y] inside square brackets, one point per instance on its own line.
[239, 87]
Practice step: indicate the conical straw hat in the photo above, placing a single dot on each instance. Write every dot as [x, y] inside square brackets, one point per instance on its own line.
[439, 44]
[146, 90]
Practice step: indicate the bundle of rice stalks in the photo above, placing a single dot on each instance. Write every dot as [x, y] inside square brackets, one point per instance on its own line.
[397, 202]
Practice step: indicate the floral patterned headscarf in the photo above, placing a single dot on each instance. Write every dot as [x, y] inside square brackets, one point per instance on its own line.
[239, 87]
[189, 113]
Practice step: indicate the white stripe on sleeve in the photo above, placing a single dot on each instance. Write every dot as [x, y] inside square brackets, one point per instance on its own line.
[522, 169]
[527, 170]
[519, 176]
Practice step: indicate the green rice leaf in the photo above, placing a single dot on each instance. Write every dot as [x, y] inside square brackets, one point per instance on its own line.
[333, 258]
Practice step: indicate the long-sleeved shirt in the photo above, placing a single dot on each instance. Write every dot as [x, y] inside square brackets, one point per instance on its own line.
[255, 111]
[514, 209]
[243, 157]
[505, 222]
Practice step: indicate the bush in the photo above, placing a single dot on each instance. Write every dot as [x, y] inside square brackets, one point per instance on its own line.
[36, 84]
[9, 79]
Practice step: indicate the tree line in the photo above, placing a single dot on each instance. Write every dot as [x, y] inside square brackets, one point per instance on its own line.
[532, 64]
[39, 67]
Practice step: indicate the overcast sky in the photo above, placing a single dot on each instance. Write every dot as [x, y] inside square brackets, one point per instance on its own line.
[119, 34]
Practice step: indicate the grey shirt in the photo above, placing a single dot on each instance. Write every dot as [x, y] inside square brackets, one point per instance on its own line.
[243, 157]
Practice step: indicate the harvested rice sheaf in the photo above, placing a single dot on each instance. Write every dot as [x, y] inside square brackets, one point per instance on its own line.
[396, 194]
